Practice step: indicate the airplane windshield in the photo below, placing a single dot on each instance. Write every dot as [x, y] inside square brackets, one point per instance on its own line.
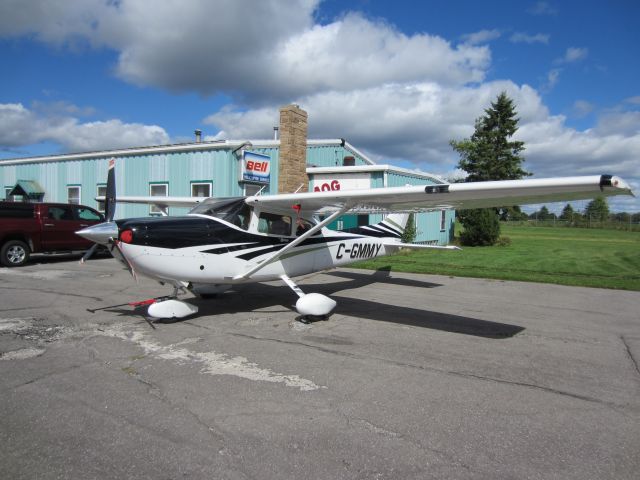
[232, 210]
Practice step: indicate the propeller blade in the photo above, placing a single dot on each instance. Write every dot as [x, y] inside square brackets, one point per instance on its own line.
[116, 245]
[89, 253]
[110, 197]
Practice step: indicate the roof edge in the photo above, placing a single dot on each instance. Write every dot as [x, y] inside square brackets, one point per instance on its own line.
[177, 147]
[376, 168]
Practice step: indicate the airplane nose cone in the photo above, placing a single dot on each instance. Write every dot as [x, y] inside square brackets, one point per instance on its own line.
[100, 233]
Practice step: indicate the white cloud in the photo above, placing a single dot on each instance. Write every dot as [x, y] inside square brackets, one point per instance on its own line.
[483, 36]
[573, 54]
[553, 77]
[521, 37]
[21, 126]
[252, 50]
[582, 108]
[542, 8]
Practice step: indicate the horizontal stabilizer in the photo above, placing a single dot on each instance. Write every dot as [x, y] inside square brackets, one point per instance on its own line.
[419, 246]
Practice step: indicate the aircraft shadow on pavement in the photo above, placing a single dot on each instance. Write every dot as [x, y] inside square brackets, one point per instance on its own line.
[262, 296]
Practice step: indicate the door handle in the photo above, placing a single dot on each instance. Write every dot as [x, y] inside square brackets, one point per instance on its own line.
[84, 225]
[49, 225]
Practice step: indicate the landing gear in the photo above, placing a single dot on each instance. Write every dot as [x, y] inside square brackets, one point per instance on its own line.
[172, 307]
[310, 306]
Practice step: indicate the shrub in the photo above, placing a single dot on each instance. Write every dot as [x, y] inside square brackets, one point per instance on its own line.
[481, 227]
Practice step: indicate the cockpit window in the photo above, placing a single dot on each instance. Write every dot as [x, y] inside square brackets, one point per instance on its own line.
[274, 224]
[232, 210]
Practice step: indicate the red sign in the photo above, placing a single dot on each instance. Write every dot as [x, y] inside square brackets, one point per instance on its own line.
[328, 186]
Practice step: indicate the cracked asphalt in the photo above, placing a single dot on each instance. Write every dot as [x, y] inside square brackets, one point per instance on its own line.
[412, 377]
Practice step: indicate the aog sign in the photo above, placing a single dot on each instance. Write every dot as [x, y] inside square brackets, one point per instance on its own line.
[255, 167]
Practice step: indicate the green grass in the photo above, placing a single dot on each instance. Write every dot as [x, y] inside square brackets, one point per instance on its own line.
[565, 256]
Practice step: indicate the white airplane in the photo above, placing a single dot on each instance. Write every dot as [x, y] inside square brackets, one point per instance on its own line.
[223, 242]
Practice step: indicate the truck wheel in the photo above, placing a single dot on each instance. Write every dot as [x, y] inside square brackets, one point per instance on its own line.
[14, 253]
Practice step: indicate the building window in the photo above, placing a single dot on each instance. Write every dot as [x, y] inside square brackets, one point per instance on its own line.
[101, 192]
[73, 194]
[7, 191]
[251, 189]
[157, 190]
[201, 189]
[349, 161]
[443, 220]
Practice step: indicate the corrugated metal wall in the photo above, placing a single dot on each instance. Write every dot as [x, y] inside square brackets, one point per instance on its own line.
[330, 156]
[427, 224]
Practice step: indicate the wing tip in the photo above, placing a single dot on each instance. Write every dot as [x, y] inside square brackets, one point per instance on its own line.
[616, 183]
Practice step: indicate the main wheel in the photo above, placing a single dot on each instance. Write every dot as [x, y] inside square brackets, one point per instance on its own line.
[14, 253]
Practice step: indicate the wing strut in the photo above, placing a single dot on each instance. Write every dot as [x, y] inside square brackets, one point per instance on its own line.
[293, 244]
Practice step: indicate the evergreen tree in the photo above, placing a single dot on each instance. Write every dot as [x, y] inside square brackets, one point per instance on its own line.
[490, 155]
[410, 232]
[545, 214]
[567, 213]
[597, 209]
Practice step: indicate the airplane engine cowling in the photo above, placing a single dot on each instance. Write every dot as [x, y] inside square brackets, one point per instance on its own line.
[315, 305]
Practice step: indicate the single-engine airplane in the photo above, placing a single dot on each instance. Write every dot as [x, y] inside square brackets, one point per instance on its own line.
[222, 242]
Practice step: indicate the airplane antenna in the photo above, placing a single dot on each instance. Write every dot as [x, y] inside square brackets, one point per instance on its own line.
[298, 189]
[260, 191]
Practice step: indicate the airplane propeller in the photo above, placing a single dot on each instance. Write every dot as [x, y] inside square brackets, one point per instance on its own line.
[109, 210]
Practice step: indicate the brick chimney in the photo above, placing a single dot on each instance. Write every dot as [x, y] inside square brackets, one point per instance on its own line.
[292, 165]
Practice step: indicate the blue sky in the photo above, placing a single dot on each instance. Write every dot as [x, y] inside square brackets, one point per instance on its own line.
[398, 79]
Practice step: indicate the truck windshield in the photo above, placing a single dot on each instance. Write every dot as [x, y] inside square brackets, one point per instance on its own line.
[233, 210]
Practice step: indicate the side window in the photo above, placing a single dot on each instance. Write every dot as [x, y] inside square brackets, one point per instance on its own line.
[157, 190]
[101, 192]
[89, 215]
[73, 194]
[60, 213]
[201, 189]
[302, 226]
[274, 224]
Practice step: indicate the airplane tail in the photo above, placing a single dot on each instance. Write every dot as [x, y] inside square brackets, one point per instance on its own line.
[392, 226]
[396, 222]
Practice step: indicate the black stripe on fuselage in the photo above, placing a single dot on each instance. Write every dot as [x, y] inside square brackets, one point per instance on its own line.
[371, 231]
[184, 232]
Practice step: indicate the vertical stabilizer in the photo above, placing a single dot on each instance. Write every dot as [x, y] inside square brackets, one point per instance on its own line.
[393, 225]
[397, 221]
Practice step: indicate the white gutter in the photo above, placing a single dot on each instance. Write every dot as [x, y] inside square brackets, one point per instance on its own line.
[374, 168]
[180, 147]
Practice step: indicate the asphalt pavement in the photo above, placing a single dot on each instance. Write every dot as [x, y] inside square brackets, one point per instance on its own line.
[412, 377]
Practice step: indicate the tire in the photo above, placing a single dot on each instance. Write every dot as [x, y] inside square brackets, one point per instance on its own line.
[14, 253]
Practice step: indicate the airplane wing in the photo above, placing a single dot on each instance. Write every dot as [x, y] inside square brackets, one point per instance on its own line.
[454, 195]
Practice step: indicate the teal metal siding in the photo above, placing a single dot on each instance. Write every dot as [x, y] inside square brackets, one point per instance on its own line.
[330, 156]
[427, 223]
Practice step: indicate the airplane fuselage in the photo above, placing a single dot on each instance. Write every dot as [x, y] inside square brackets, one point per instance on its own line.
[202, 250]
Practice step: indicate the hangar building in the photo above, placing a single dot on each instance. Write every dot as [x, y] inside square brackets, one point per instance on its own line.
[219, 168]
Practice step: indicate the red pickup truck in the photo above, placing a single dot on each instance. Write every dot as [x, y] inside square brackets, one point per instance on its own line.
[27, 228]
